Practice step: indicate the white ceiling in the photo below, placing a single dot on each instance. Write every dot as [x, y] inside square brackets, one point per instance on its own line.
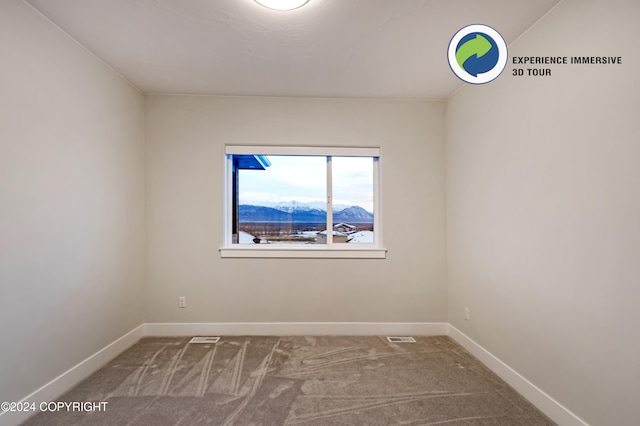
[328, 48]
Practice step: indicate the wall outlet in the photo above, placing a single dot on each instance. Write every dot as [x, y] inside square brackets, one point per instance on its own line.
[182, 302]
[466, 313]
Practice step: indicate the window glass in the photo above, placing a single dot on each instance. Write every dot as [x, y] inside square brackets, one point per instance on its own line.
[302, 198]
[284, 203]
[352, 179]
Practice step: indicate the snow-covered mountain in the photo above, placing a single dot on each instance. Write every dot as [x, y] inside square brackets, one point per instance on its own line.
[353, 214]
[294, 211]
[291, 206]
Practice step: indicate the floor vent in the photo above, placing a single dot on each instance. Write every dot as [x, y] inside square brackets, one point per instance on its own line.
[401, 339]
[204, 340]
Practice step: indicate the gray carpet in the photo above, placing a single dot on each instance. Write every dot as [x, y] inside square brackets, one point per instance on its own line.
[297, 381]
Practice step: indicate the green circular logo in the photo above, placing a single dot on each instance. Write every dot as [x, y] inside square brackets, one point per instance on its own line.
[477, 54]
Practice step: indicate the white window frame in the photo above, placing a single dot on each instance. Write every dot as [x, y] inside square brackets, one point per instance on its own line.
[373, 250]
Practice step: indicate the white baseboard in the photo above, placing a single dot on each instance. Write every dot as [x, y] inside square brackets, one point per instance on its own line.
[549, 406]
[296, 329]
[71, 377]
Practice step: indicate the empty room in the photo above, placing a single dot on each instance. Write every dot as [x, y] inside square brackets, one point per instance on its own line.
[321, 212]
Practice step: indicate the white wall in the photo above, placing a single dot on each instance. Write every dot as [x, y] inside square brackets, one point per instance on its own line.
[71, 203]
[185, 140]
[543, 213]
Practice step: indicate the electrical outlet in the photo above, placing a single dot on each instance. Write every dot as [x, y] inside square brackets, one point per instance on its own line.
[182, 302]
[466, 313]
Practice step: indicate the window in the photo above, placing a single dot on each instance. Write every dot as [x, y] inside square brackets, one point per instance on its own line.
[302, 202]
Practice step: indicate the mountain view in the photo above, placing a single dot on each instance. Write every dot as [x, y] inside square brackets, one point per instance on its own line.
[298, 212]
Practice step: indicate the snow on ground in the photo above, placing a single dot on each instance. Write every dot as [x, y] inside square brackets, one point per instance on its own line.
[247, 238]
[307, 234]
[361, 237]
[338, 233]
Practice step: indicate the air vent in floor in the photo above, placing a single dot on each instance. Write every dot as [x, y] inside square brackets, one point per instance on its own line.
[401, 339]
[204, 340]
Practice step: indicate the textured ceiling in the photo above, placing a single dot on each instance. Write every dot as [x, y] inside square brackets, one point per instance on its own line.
[328, 48]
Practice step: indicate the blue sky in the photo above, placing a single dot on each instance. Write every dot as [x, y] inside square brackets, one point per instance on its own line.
[303, 178]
